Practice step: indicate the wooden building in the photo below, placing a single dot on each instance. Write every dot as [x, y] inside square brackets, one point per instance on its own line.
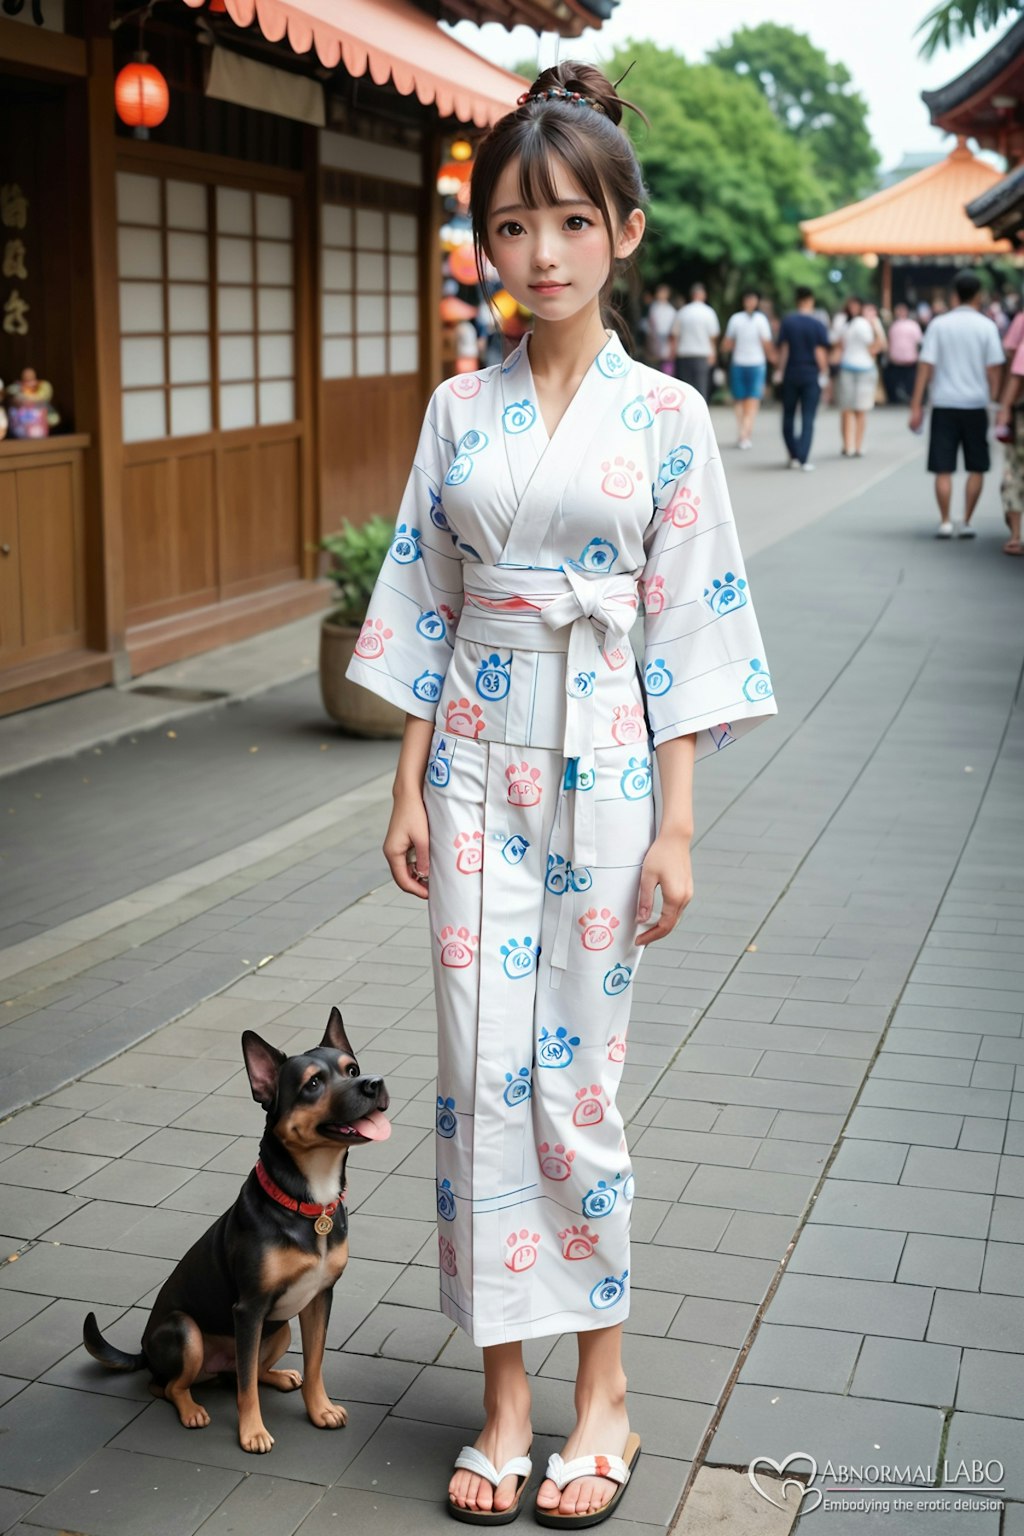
[238, 314]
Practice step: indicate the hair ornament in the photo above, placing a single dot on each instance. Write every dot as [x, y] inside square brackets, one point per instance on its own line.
[559, 93]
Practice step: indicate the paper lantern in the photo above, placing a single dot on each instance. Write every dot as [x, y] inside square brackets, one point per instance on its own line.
[453, 310]
[452, 177]
[505, 304]
[141, 97]
[217, 7]
[462, 264]
[461, 149]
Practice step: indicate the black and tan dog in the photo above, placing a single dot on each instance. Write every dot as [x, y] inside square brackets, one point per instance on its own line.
[275, 1254]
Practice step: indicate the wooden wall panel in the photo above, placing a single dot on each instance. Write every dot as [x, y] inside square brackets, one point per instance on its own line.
[10, 573]
[369, 434]
[238, 496]
[261, 522]
[169, 534]
[49, 539]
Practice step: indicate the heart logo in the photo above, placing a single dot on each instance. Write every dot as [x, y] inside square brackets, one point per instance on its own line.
[806, 1491]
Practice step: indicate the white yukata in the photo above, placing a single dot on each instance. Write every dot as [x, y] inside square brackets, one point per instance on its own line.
[502, 613]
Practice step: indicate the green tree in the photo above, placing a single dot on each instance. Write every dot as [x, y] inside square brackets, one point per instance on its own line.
[813, 98]
[955, 19]
[728, 184]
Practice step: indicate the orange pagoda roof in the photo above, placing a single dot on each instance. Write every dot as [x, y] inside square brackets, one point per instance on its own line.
[924, 215]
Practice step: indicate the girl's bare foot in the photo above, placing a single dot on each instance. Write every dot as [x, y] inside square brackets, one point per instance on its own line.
[506, 1433]
[602, 1428]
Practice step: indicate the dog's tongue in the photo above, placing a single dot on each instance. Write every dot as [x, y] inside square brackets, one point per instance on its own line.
[375, 1126]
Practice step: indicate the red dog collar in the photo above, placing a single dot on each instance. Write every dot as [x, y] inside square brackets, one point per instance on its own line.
[303, 1207]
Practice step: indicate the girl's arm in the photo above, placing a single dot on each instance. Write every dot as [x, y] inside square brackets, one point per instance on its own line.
[668, 859]
[407, 830]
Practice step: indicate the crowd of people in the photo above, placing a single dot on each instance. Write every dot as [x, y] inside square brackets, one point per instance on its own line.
[954, 357]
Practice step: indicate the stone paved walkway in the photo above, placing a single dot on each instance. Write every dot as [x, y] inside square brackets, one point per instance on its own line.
[823, 1114]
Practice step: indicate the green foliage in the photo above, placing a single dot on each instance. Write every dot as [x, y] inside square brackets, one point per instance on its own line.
[955, 19]
[357, 554]
[813, 99]
[728, 184]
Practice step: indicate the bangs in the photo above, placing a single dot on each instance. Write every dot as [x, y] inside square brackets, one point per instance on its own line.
[546, 142]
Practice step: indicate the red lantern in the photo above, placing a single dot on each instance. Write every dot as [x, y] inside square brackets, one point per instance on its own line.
[141, 97]
[217, 7]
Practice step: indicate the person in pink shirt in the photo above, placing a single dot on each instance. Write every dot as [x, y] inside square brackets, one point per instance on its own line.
[905, 337]
[1010, 429]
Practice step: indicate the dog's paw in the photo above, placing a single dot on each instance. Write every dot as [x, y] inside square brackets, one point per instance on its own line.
[282, 1381]
[195, 1417]
[328, 1415]
[258, 1440]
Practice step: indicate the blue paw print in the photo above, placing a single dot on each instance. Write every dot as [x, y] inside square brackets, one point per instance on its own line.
[405, 546]
[612, 364]
[597, 555]
[446, 1121]
[562, 876]
[445, 1200]
[617, 979]
[758, 685]
[519, 416]
[439, 769]
[637, 415]
[494, 677]
[657, 677]
[609, 1290]
[600, 1201]
[581, 684]
[518, 1089]
[428, 687]
[727, 594]
[637, 779]
[519, 958]
[514, 850]
[437, 513]
[555, 1050]
[431, 625]
[676, 464]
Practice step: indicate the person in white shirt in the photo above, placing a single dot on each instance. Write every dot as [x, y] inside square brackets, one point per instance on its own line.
[694, 333]
[660, 317]
[856, 343]
[750, 347]
[962, 360]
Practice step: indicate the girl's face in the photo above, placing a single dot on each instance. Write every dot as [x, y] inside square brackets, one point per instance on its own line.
[555, 260]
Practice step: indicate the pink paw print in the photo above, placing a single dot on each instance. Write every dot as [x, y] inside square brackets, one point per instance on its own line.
[522, 1250]
[668, 398]
[621, 477]
[463, 718]
[598, 928]
[470, 855]
[555, 1162]
[655, 594]
[448, 614]
[682, 509]
[628, 724]
[617, 659]
[465, 386]
[590, 1103]
[578, 1242]
[616, 1048]
[523, 785]
[446, 1253]
[457, 946]
[371, 640]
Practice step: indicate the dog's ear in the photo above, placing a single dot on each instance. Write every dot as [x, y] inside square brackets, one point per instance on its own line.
[335, 1036]
[263, 1063]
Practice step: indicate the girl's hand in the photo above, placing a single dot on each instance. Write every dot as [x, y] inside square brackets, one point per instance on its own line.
[408, 834]
[667, 865]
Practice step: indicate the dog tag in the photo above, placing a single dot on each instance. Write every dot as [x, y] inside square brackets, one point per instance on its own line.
[323, 1225]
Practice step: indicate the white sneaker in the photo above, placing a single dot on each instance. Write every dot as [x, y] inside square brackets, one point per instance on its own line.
[807, 468]
[964, 531]
[745, 442]
[945, 531]
[793, 464]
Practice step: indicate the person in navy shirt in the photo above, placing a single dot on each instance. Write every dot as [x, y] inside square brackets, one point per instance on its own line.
[803, 365]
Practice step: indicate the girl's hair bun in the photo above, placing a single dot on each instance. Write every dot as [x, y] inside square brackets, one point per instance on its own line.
[585, 81]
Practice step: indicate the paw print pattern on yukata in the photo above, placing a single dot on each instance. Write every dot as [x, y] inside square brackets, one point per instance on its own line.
[519, 958]
[591, 1104]
[521, 1250]
[439, 768]
[457, 946]
[428, 687]
[617, 979]
[465, 385]
[469, 856]
[576, 777]
[654, 594]
[518, 417]
[433, 623]
[519, 1088]
[602, 1199]
[657, 677]
[637, 415]
[555, 1161]
[612, 363]
[464, 719]
[726, 594]
[629, 724]
[555, 1048]
[758, 685]
[524, 788]
[666, 397]
[446, 1254]
[598, 555]
[494, 677]
[609, 1290]
[683, 509]
[676, 463]
[437, 512]
[616, 1048]
[514, 848]
[461, 467]
[636, 781]
[445, 1120]
[405, 545]
[581, 685]
[578, 1242]
[372, 636]
[598, 928]
[562, 877]
[621, 477]
[445, 1200]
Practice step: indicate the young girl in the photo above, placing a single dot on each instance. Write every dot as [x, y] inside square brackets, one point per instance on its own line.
[545, 494]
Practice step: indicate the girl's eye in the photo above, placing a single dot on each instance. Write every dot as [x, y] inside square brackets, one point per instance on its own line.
[510, 227]
[576, 221]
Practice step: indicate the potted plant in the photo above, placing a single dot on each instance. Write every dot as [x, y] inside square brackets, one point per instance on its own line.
[356, 556]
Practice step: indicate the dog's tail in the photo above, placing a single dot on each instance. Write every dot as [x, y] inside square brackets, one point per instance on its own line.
[108, 1354]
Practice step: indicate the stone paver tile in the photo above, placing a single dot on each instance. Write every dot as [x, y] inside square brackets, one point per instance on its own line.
[207, 1194]
[816, 1359]
[117, 1494]
[757, 1235]
[909, 1068]
[877, 1162]
[694, 1272]
[807, 1157]
[943, 1168]
[32, 1125]
[909, 1017]
[663, 1367]
[262, 1506]
[41, 1168]
[749, 1189]
[1011, 1176]
[933, 1042]
[84, 1274]
[180, 1148]
[159, 1233]
[854, 1253]
[897, 1125]
[1007, 1220]
[766, 1421]
[980, 1135]
[1013, 1520]
[16, 1307]
[105, 1138]
[299, 1454]
[147, 1106]
[902, 1209]
[906, 1371]
[25, 1212]
[40, 1342]
[762, 1092]
[401, 1333]
[693, 1226]
[133, 1183]
[978, 1320]
[393, 1238]
[382, 1514]
[12, 1506]
[986, 1437]
[955, 1261]
[221, 1114]
[712, 1322]
[744, 1120]
[696, 1146]
[852, 1306]
[1004, 1269]
[991, 1382]
[799, 1125]
[46, 1433]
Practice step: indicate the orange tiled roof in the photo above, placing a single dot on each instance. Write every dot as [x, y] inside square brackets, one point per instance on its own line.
[921, 216]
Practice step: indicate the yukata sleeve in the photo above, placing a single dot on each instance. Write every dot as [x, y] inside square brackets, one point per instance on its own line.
[406, 641]
[705, 670]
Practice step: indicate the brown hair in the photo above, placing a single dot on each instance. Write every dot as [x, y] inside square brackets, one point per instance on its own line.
[586, 137]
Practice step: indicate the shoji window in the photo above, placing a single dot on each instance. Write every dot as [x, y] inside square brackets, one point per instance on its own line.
[163, 251]
[369, 320]
[180, 244]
